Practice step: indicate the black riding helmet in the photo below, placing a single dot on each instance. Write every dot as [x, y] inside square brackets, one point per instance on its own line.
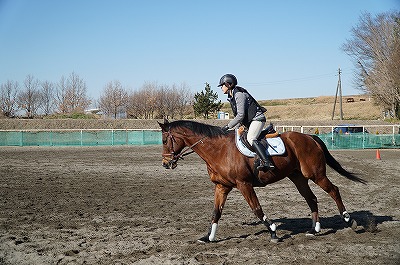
[228, 78]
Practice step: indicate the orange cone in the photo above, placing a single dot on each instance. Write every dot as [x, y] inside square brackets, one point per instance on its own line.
[378, 154]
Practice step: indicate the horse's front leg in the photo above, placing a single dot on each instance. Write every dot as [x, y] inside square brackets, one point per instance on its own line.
[249, 194]
[220, 194]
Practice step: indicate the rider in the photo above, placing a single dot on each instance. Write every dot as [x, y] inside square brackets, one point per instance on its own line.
[248, 113]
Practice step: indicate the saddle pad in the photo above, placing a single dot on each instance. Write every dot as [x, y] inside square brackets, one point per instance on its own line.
[275, 146]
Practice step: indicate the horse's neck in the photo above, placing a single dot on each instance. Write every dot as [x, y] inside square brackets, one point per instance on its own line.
[208, 148]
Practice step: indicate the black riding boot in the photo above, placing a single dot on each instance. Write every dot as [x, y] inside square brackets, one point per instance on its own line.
[265, 163]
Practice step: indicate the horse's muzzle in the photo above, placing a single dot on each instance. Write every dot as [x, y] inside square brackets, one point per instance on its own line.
[169, 163]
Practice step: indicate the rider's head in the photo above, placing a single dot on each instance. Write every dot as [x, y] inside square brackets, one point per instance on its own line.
[229, 80]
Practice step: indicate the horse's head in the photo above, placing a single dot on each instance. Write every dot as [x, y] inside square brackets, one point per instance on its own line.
[172, 146]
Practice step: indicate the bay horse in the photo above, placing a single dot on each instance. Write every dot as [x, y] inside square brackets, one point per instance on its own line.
[305, 159]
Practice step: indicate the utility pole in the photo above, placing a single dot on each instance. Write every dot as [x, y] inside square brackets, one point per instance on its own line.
[338, 89]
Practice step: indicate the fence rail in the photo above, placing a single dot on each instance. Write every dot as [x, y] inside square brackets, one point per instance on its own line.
[379, 136]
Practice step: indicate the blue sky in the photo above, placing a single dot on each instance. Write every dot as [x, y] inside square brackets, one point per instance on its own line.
[277, 49]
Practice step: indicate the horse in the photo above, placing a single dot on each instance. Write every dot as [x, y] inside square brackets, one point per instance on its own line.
[305, 159]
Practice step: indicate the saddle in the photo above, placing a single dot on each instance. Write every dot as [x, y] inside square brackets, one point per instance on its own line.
[268, 132]
[269, 138]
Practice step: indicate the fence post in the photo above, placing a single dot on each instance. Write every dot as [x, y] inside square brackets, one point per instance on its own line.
[363, 143]
[21, 139]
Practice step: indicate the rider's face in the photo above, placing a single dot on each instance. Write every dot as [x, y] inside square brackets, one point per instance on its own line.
[224, 89]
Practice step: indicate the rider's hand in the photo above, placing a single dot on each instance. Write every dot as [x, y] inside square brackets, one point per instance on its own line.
[225, 128]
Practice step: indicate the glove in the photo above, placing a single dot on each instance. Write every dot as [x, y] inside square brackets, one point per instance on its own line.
[225, 128]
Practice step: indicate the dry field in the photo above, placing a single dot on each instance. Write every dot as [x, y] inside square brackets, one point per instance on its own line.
[320, 108]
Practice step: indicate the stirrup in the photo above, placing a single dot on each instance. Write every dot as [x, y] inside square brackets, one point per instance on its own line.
[265, 166]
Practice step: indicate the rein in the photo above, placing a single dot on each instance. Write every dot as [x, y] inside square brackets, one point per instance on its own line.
[184, 152]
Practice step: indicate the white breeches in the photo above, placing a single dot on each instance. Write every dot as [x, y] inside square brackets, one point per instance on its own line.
[255, 129]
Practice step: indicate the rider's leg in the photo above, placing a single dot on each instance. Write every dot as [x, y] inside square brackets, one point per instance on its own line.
[265, 163]
[255, 129]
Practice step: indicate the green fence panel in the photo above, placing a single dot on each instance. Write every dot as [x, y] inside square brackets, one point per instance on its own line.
[153, 137]
[120, 138]
[10, 138]
[66, 138]
[360, 141]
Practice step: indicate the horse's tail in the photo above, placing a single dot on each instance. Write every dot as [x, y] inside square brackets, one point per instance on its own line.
[331, 161]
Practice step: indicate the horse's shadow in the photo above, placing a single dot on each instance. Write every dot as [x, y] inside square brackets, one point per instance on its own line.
[366, 221]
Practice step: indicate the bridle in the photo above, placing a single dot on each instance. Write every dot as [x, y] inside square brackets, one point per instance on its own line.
[175, 157]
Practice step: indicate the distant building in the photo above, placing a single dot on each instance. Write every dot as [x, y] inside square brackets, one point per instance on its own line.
[223, 115]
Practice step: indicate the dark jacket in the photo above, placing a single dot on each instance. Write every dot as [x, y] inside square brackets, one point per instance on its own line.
[245, 108]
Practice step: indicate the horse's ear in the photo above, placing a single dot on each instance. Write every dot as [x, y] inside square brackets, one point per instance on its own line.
[163, 125]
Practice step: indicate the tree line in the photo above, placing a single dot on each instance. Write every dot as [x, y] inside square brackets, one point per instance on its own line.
[34, 98]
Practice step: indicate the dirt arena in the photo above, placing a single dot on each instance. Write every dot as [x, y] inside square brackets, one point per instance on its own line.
[118, 205]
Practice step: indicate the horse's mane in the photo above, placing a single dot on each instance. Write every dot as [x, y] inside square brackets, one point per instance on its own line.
[198, 128]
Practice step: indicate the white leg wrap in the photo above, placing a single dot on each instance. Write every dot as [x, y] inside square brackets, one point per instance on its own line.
[271, 226]
[264, 218]
[213, 232]
[317, 227]
[346, 216]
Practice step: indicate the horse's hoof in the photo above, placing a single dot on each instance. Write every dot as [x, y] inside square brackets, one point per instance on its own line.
[275, 240]
[311, 233]
[353, 224]
[204, 239]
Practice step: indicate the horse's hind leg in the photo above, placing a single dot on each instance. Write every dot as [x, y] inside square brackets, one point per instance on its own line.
[333, 191]
[302, 186]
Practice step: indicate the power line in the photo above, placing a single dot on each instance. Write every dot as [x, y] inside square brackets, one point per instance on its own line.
[293, 79]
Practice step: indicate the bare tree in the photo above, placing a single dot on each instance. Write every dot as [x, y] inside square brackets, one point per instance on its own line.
[171, 102]
[61, 95]
[114, 99]
[29, 98]
[375, 49]
[48, 97]
[72, 94]
[161, 102]
[157, 101]
[185, 99]
[142, 103]
[8, 98]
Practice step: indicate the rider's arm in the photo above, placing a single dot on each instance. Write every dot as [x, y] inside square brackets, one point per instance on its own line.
[240, 98]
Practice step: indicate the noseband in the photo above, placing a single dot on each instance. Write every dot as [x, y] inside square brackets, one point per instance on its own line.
[187, 151]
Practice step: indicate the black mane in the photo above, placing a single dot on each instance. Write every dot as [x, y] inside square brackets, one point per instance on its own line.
[198, 128]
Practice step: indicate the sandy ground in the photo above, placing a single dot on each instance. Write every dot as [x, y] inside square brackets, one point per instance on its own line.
[117, 205]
